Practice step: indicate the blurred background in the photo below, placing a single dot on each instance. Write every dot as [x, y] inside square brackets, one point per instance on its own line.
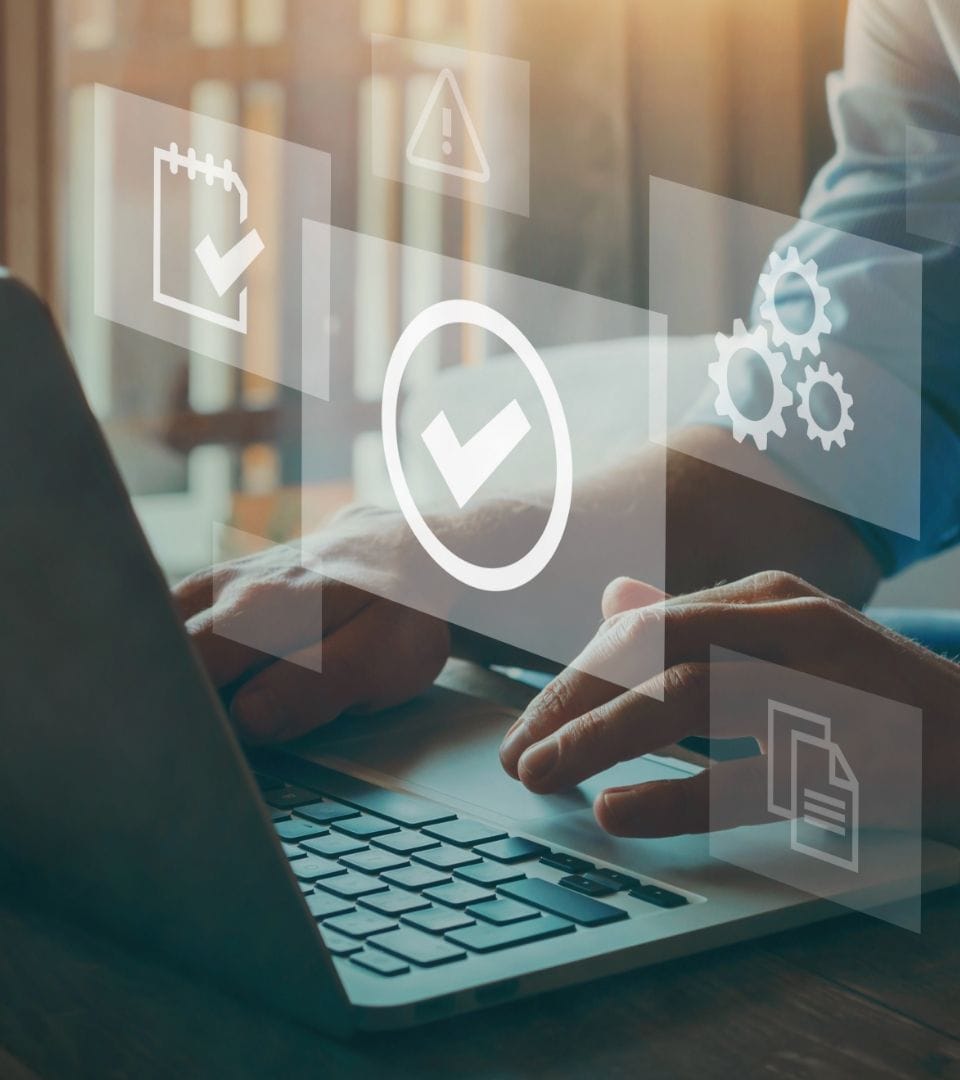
[723, 95]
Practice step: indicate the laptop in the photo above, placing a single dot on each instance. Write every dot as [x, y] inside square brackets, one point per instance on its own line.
[377, 874]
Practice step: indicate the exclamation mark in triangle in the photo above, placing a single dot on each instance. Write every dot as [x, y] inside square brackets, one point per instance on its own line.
[444, 117]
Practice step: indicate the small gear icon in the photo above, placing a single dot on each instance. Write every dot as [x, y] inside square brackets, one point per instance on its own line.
[837, 434]
[779, 268]
[756, 341]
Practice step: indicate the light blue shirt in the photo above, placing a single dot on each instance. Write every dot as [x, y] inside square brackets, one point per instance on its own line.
[901, 70]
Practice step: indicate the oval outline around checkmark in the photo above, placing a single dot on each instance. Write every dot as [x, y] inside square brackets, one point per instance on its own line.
[488, 578]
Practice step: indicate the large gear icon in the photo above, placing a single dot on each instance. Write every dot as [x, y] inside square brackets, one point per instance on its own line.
[820, 294]
[835, 436]
[756, 341]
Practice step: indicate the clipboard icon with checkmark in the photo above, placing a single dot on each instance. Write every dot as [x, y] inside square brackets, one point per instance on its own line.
[211, 271]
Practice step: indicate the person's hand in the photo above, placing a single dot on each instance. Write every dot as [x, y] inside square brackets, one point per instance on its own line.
[329, 641]
[579, 725]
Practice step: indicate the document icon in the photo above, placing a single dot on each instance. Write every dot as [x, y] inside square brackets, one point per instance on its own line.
[810, 782]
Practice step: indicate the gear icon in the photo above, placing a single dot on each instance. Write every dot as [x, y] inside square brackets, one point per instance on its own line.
[780, 268]
[756, 341]
[837, 434]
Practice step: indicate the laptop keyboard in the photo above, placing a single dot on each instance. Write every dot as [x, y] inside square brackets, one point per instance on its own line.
[397, 883]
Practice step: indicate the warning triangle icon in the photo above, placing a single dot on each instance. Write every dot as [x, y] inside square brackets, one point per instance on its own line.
[445, 139]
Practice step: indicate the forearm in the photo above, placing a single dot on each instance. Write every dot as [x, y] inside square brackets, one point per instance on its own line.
[722, 526]
[719, 526]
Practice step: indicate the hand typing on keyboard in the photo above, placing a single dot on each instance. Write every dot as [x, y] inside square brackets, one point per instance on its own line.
[375, 653]
[580, 725]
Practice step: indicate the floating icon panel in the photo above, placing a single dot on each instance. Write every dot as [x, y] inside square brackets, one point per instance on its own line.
[779, 336]
[836, 807]
[197, 236]
[463, 117]
[504, 401]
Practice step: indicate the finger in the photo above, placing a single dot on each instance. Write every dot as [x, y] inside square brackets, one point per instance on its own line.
[631, 646]
[346, 671]
[576, 690]
[573, 692]
[766, 585]
[722, 797]
[633, 724]
[624, 593]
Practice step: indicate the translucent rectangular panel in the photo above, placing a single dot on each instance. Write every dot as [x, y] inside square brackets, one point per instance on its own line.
[833, 807]
[803, 341]
[465, 123]
[197, 231]
[487, 434]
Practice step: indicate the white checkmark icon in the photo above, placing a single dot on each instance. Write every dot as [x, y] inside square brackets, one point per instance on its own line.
[466, 468]
[223, 270]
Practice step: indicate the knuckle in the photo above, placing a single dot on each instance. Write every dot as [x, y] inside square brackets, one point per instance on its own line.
[255, 587]
[817, 608]
[685, 679]
[780, 583]
[200, 579]
[554, 700]
[628, 627]
[597, 731]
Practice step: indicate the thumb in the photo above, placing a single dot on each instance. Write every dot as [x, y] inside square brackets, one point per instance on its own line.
[625, 594]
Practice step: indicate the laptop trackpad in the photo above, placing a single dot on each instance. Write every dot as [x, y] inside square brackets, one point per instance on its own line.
[445, 746]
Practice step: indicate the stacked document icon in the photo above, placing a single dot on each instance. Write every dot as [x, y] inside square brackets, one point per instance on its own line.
[810, 782]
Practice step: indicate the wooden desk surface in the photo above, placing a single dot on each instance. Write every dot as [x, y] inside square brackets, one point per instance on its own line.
[850, 998]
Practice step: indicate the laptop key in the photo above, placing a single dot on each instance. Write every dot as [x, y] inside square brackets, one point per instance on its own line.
[464, 833]
[381, 963]
[420, 949]
[415, 877]
[613, 878]
[653, 894]
[305, 886]
[364, 826]
[325, 811]
[587, 886]
[323, 905]
[399, 808]
[313, 868]
[288, 797]
[295, 829]
[559, 901]
[360, 924]
[437, 920]
[503, 912]
[458, 894]
[338, 944]
[394, 902]
[373, 861]
[445, 858]
[279, 815]
[350, 885]
[333, 845]
[292, 851]
[488, 873]
[513, 849]
[485, 937]
[405, 842]
[570, 864]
